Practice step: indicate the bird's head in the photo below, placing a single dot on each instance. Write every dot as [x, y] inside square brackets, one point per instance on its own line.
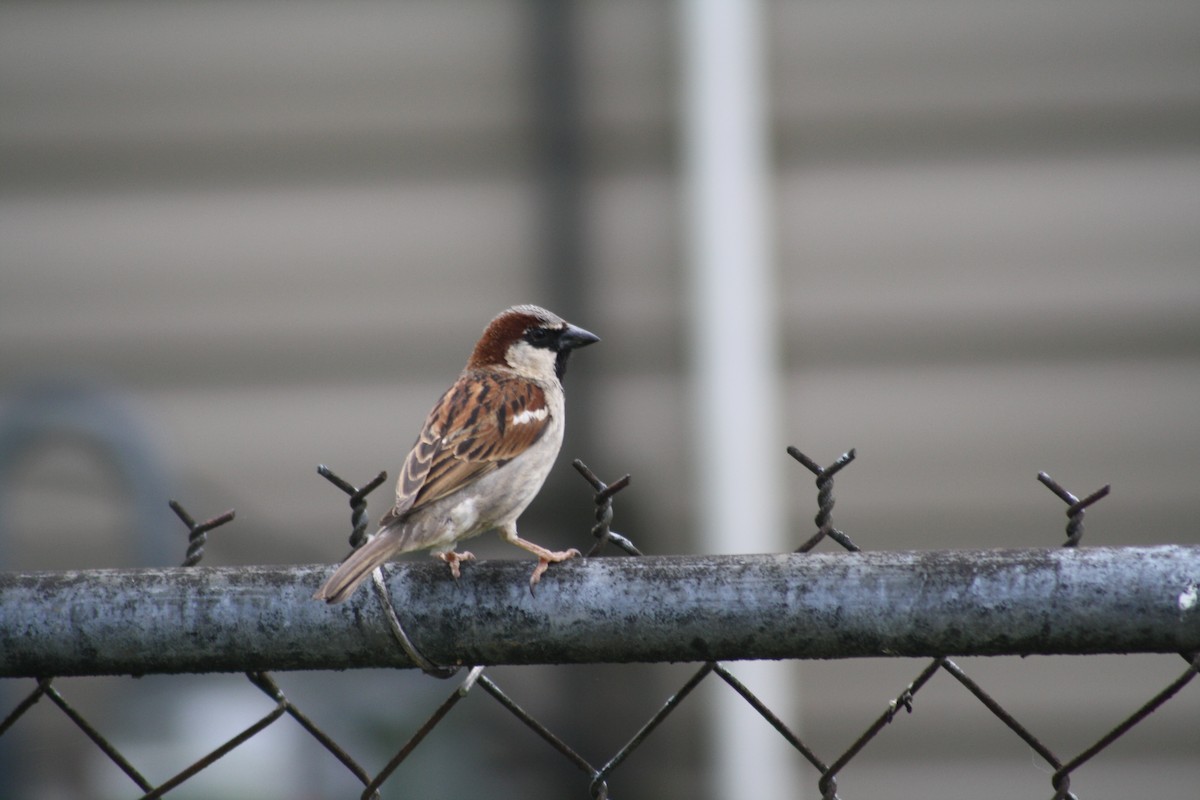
[531, 341]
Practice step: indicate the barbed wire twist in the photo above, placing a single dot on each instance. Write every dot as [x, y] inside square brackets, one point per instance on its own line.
[198, 532]
[602, 530]
[1075, 506]
[358, 501]
[261, 680]
[358, 537]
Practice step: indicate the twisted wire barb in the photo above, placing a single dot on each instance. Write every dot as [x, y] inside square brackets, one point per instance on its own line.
[1061, 779]
[602, 530]
[358, 501]
[197, 536]
[198, 532]
[358, 537]
[825, 499]
[603, 533]
[261, 680]
[196, 539]
[1075, 506]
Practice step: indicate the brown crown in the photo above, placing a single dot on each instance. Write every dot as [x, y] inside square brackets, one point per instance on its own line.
[507, 327]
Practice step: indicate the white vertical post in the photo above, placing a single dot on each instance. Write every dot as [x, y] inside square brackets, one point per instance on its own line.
[734, 341]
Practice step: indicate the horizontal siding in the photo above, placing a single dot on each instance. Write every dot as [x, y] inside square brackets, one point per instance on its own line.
[278, 227]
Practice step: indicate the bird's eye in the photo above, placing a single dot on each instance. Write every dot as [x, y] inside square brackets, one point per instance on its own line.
[538, 337]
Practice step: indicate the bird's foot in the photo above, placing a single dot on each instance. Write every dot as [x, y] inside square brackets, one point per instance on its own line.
[453, 559]
[548, 558]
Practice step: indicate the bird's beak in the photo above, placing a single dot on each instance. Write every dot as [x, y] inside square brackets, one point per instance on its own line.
[574, 337]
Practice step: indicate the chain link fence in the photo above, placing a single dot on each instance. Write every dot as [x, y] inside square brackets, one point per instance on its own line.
[973, 602]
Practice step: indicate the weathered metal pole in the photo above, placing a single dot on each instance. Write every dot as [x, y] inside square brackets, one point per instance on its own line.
[962, 602]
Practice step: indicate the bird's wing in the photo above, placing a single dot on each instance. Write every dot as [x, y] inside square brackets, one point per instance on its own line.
[483, 421]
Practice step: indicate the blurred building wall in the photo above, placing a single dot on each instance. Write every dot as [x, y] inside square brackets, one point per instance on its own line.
[276, 229]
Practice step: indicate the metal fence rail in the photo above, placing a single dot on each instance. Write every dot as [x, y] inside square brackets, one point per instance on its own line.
[651, 609]
[801, 605]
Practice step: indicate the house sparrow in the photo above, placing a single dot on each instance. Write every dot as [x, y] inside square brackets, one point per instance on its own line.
[484, 452]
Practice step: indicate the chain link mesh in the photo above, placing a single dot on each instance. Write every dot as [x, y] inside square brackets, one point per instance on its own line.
[828, 769]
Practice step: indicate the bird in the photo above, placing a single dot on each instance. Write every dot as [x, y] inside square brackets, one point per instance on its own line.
[483, 454]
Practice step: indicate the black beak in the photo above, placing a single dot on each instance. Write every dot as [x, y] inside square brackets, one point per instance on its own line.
[573, 337]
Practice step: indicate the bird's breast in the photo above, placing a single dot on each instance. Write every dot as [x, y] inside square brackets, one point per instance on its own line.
[492, 500]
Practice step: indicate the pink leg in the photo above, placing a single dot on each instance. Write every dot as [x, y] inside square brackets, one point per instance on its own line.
[545, 557]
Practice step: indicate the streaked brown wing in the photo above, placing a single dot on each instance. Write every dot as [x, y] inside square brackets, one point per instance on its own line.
[481, 422]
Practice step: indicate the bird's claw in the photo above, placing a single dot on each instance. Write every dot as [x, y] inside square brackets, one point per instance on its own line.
[553, 557]
[453, 559]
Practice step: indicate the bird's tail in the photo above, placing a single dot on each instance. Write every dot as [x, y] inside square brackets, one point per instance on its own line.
[357, 567]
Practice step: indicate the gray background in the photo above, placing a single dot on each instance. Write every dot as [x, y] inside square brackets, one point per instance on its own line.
[268, 234]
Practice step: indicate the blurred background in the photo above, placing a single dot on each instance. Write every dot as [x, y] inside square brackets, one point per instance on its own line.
[239, 240]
